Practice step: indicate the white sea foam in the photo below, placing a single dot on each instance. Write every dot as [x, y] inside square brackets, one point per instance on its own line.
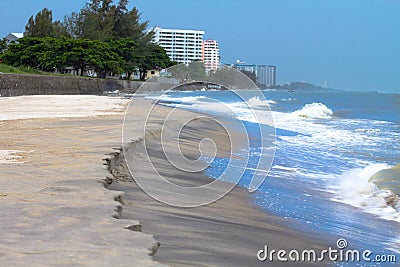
[9, 156]
[353, 188]
[254, 110]
[169, 98]
[368, 131]
[257, 102]
[314, 134]
[283, 168]
[288, 99]
[314, 111]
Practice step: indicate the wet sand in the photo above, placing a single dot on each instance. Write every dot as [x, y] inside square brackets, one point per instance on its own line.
[228, 232]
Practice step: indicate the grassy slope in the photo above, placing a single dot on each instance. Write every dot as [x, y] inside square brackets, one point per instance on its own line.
[22, 70]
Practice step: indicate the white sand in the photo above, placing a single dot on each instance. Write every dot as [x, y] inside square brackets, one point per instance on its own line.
[54, 106]
[54, 210]
[59, 106]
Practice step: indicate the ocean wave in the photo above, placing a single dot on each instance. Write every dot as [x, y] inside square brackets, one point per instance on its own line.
[184, 99]
[252, 110]
[314, 111]
[360, 188]
[288, 99]
[285, 169]
[388, 179]
[313, 135]
[368, 131]
[257, 102]
[252, 102]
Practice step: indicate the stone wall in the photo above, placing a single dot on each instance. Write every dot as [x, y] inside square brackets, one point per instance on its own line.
[17, 85]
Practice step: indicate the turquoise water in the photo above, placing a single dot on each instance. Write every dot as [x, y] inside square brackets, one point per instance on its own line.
[328, 146]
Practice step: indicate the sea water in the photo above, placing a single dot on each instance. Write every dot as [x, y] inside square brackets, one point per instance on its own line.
[334, 151]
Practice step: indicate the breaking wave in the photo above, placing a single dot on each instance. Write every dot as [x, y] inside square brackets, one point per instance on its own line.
[365, 188]
[314, 111]
[257, 102]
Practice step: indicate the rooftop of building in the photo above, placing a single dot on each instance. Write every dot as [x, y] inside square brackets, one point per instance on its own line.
[17, 34]
[178, 30]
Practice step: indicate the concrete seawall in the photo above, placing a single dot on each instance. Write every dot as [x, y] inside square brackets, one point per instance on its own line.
[19, 84]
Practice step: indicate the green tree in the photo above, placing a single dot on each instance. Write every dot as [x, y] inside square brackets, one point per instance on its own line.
[139, 57]
[102, 36]
[51, 54]
[121, 29]
[87, 54]
[41, 25]
[103, 59]
[98, 20]
[23, 53]
[59, 30]
[194, 71]
[252, 75]
[40, 53]
[152, 56]
[127, 24]
[127, 49]
[221, 75]
[197, 70]
[3, 45]
[73, 25]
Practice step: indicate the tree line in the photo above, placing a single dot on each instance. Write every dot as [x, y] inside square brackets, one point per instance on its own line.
[102, 36]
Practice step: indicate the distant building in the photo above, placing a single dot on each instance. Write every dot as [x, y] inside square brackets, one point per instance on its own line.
[210, 55]
[243, 66]
[152, 73]
[13, 37]
[182, 46]
[266, 75]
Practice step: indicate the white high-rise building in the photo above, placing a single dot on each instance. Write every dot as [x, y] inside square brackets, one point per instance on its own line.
[211, 57]
[182, 46]
[266, 75]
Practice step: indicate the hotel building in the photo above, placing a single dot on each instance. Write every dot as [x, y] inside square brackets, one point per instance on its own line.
[266, 75]
[243, 66]
[210, 55]
[182, 46]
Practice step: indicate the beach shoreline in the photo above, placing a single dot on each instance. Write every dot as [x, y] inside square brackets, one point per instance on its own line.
[228, 232]
[56, 210]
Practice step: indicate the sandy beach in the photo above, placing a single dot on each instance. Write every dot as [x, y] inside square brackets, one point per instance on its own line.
[56, 210]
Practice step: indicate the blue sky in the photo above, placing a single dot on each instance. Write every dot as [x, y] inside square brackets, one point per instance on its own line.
[346, 44]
